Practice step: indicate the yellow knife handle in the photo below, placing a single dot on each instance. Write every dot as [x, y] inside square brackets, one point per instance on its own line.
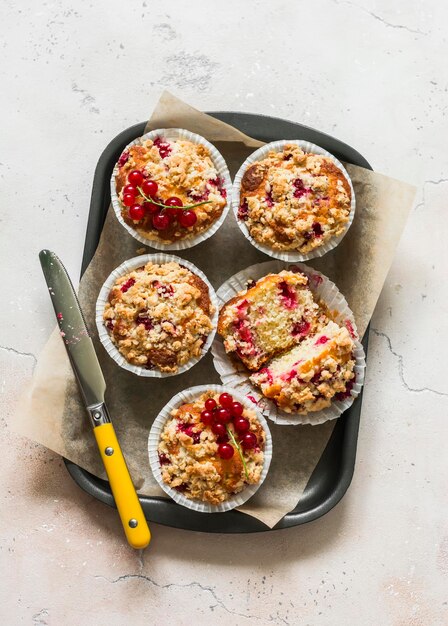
[129, 508]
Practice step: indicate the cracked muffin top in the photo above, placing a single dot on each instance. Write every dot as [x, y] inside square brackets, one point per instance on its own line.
[292, 200]
[159, 316]
[169, 189]
[211, 448]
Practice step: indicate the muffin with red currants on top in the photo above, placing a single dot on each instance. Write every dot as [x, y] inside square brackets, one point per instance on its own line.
[170, 189]
[211, 448]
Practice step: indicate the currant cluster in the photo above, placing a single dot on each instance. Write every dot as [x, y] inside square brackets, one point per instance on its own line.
[162, 214]
[218, 416]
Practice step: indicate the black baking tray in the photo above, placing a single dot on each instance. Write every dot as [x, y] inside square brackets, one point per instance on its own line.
[332, 475]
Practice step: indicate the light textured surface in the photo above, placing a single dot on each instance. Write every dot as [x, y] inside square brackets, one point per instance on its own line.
[375, 75]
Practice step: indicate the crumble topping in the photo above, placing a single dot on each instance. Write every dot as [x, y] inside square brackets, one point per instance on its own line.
[180, 169]
[189, 454]
[292, 200]
[159, 316]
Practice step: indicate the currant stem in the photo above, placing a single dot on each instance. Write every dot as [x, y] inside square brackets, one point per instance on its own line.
[165, 206]
[237, 446]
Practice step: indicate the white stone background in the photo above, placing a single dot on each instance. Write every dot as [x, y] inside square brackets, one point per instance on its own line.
[375, 75]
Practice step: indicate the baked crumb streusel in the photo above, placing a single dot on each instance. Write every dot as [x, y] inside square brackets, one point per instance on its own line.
[309, 376]
[207, 466]
[173, 171]
[298, 356]
[159, 316]
[292, 200]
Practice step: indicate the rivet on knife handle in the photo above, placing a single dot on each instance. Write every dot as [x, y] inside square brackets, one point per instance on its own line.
[129, 508]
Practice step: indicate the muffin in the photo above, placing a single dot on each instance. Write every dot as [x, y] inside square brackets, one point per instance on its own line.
[169, 189]
[211, 448]
[268, 318]
[292, 346]
[159, 316]
[308, 377]
[291, 200]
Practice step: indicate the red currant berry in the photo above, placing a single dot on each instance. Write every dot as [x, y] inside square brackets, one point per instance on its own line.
[241, 424]
[207, 418]
[223, 415]
[150, 187]
[226, 400]
[130, 189]
[124, 158]
[219, 429]
[237, 409]
[151, 207]
[225, 451]
[136, 212]
[223, 439]
[135, 178]
[188, 219]
[172, 212]
[173, 201]
[249, 441]
[161, 221]
[210, 404]
[128, 199]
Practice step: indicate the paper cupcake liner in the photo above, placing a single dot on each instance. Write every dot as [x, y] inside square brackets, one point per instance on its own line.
[234, 374]
[125, 268]
[290, 256]
[223, 172]
[189, 395]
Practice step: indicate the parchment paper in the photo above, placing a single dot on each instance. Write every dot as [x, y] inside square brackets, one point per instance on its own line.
[50, 411]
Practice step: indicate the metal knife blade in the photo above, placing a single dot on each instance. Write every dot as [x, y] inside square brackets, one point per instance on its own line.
[73, 330]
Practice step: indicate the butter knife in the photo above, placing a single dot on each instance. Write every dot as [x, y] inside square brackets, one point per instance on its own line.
[92, 385]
